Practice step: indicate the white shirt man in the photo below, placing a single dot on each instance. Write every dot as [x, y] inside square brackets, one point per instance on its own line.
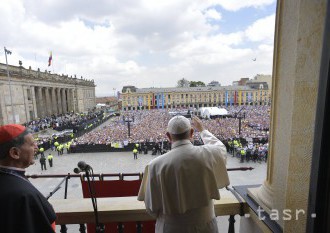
[178, 187]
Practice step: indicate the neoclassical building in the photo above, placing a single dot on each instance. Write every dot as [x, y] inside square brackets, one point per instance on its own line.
[27, 94]
[257, 93]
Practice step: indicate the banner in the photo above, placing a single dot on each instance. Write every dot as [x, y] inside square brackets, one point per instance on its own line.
[226, 98]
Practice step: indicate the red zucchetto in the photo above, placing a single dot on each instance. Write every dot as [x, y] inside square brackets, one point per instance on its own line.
[9, 132]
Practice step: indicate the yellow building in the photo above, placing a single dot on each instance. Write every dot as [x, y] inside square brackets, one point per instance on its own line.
[193, 97]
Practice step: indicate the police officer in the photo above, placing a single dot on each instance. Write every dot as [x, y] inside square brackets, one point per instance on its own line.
[50, 160]
[41, 150]
[135, 152]
[67, 147]
[243, 153]
[56, 144]
[43, 163]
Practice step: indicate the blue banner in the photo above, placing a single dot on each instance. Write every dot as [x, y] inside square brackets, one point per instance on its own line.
[226, 98]
[140, 101]
[249, 97]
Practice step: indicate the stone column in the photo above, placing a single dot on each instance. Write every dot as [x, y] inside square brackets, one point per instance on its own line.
[75, 100]
[70, 100]
[40, 103]
[64, 101]
[297, 56]
[69, 96]
[34, 102]
[48, 105]
[54, 101]
[38, 111]
[59, 101]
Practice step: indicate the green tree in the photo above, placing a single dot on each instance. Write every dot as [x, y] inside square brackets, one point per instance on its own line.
[196, 84]
[183, 83]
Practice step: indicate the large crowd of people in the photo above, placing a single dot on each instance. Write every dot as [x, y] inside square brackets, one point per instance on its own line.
[150, 125]
[247, 124]
[74, 121]
[61, 128]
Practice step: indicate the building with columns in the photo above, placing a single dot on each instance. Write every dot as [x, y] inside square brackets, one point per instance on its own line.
[27, 94]
[193, 97]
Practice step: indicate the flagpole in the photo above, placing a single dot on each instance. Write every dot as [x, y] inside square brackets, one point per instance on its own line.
[9, 81]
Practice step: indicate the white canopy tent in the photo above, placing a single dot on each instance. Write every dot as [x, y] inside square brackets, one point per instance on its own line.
[212, 112]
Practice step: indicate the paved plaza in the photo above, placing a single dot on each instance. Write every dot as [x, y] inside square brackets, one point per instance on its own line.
[123, 162]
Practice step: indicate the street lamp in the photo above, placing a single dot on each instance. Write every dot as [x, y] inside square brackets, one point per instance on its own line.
[9, 81]
[128, 120]
[239, 116]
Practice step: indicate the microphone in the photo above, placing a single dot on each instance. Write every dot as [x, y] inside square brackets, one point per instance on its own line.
[83, 166]
[77, 170]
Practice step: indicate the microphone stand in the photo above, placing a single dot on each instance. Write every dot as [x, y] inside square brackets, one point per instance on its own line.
[56, 188]
[99, 226]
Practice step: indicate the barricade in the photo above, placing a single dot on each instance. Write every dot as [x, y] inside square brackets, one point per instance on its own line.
[90, 148]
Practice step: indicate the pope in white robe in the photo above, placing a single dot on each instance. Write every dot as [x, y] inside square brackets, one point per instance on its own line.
[178, 187]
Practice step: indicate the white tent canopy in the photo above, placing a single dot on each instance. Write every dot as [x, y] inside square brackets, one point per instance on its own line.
[210, 112]
[100, 105]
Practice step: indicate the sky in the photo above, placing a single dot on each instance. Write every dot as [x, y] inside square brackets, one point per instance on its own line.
[144, 43]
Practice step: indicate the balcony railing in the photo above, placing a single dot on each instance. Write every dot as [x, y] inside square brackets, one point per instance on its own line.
[126, 209]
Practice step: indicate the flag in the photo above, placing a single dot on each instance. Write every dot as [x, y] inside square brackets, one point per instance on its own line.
[50, 59]
[7, 51]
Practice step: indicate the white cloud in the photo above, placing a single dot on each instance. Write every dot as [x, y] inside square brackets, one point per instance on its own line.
[144, 43]
[213, 14]
[262, 30]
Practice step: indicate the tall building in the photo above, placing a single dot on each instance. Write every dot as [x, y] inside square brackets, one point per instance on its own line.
[262, 78]
[27, 94]
[193, 97]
